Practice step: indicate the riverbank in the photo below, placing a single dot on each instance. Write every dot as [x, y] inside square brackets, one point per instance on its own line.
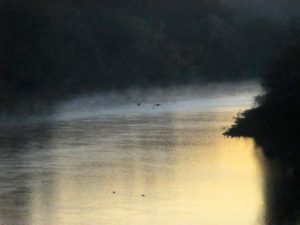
[275, 129]
[275, 123]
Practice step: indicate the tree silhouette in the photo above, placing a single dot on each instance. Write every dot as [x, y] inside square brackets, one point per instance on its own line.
[277, 115]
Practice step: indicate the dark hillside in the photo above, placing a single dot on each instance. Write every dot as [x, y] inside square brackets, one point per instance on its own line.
[55, 49]
[277, 115]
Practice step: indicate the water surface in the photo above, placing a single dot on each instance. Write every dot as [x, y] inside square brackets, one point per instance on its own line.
[168, 165]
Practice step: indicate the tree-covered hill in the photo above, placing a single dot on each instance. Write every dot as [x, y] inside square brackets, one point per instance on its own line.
[54, 49]
[275, 122]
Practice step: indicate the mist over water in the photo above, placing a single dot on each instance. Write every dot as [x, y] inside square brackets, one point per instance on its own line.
[205, 97]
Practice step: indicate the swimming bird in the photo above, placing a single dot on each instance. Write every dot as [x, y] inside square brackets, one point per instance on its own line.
[156, 105]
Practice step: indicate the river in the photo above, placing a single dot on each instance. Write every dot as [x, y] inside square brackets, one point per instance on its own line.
[131, 164]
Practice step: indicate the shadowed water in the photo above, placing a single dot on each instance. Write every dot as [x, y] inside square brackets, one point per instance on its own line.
[169, 166]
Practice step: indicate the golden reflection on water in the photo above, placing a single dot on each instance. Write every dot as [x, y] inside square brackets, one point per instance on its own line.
[187, 171]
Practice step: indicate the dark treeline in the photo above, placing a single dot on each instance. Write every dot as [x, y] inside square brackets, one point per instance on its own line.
[54, 49]
[274, 123]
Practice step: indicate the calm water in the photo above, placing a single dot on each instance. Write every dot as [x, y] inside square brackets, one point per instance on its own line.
[167, 166]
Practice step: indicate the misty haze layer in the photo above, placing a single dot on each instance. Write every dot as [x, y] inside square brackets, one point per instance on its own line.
[52, 50]
[154, 101]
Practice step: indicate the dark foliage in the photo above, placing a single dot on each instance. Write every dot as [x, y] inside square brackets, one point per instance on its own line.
[55, 49]
[274, 125]
[275, 122]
